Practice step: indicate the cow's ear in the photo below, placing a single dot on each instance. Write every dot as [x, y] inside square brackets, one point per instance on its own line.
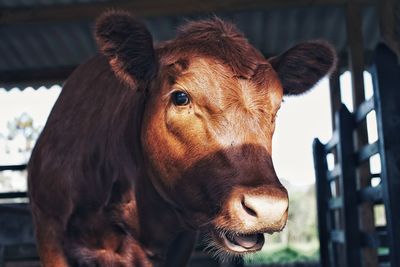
[303, 65]
[128, 45]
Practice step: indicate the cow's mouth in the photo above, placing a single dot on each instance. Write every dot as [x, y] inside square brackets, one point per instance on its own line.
[240, 243]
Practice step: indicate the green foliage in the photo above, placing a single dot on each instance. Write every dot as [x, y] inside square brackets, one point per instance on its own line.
[302, 223]
[22, 134]
[285, 255]
[298, 242]
[17, 143]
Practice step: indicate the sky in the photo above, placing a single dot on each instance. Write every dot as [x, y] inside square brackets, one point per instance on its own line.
[300, 120]
[35, 103]
[306, 117]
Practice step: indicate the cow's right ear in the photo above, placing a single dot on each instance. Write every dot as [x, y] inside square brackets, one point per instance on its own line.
[128, 45]
[303, 65]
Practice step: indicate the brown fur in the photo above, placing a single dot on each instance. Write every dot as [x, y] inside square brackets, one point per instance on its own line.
[121, 176]
[302, 66]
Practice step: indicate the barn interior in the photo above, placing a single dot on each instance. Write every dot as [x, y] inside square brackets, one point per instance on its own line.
[43, 41]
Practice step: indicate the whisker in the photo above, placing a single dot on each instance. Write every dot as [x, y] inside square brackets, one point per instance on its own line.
[215, 250]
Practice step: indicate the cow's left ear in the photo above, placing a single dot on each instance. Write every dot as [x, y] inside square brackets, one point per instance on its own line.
[128, 45]
[303, 65]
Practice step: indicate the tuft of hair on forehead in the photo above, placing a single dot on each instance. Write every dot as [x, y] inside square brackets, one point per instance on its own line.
[217, 39]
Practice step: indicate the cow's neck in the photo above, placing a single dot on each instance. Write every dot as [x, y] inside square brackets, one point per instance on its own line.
[159, 226]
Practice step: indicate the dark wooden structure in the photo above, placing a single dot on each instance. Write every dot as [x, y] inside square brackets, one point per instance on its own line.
[342, 240]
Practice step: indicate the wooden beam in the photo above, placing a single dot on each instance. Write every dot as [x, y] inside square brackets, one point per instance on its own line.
[389, 24]
[149, 8]
[336, 104]
[19, 167]
[322, 193]
[356, 51]
[356, 67]
[348, 187]
[386, 89]
[335, 95]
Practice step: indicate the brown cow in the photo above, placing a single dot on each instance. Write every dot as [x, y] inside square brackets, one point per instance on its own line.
[146, 146]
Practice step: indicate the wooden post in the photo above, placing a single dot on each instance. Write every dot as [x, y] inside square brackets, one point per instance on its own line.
[335, 95]
[386, 76]
[322, 203]
[356, 66]
[389, 24]
[336, 103]
[2, 261]
[345, 124]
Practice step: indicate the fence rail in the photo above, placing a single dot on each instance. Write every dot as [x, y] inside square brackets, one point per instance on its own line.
[19, 167]
[13, 195]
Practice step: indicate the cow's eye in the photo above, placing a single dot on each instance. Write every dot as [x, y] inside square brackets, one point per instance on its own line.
[180, 98]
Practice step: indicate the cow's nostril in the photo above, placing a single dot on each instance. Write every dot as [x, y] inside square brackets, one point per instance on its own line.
[264, 210]
[249, 210]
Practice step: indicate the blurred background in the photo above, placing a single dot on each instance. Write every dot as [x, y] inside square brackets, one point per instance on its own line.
[43, 41]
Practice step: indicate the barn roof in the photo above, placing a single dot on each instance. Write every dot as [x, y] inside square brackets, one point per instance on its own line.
[40, 49]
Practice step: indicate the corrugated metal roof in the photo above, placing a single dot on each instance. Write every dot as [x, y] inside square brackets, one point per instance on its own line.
[63, 44]
[45, 45]
[38, 3]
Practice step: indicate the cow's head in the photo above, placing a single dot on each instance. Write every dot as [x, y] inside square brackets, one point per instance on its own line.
[211, 103]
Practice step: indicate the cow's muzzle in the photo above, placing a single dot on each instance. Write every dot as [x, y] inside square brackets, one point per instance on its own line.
[249, 213]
